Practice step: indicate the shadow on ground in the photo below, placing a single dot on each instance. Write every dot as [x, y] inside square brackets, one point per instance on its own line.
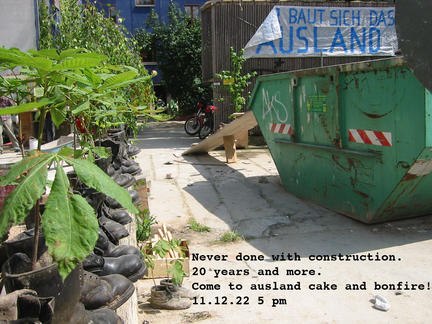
[273, 220]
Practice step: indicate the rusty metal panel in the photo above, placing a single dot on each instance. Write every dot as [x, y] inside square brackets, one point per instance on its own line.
[232, 23]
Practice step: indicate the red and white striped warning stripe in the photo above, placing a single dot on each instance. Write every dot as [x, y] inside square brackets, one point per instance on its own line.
[280, 128]
[370, 137]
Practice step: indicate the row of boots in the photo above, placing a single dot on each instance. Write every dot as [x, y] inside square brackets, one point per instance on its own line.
[102, 282]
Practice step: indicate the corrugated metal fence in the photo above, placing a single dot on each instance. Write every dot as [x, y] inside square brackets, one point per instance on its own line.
[233, 23]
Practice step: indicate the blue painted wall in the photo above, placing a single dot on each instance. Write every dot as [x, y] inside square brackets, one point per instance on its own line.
[135, 17]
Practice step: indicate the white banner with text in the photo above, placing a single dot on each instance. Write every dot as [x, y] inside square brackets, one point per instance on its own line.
[293, 31]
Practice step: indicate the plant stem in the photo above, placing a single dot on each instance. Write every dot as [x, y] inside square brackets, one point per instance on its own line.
[41, 127]
[36, 234]
[37, 209]
[20, 136]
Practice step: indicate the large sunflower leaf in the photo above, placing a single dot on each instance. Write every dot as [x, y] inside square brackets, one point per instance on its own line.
[81, 107]
[70, 52]
[51, 53]
[58, 115]
[18, 169]
[25, 107]
[19, 203]
[95, 178]
[76, 63]
[69, 225]
[92, 77]
[118, 79]
[127, 82]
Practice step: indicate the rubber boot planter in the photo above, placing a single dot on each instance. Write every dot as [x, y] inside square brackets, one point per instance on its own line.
[46, 281]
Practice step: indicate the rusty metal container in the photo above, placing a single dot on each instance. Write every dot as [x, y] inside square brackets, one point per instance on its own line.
[355, 138]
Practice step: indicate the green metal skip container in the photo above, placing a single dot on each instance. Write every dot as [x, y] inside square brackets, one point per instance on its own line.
[355, 138]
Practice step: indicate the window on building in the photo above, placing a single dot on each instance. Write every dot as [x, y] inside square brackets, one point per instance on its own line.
[193, 11]
[144, 3]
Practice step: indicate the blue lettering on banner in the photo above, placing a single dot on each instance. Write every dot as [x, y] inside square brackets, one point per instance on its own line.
[292, 15]
[304, 39]
[338, 41]
[315, 30]
[333, 18]
[356, 17]
[281, 42]
[378, 38]
[271, 44]
[355, 39]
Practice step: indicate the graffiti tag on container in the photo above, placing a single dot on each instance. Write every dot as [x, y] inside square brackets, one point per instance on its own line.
[274, 104]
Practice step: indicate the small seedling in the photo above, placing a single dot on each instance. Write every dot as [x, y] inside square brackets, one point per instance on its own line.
[144, 223]
[231, 236]
[160, 249]
[197, 227]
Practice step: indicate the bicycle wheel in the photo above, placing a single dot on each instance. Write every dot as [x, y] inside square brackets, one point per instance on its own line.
[192, 126]
[205, 131]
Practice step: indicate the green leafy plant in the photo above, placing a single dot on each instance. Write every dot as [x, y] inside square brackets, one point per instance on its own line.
[235, 81]
[230, 236]
[64, 84]
[83, 26]
[161, 249]
[176, 46]
[197, 227]
[144, 223]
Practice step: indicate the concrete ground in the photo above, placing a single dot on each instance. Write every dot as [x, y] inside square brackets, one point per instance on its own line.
[248, 197]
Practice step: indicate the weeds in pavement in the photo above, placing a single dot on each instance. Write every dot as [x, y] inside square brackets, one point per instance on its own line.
[231, 236]
[197, 227]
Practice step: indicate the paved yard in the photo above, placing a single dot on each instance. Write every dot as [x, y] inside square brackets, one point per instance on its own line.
[323, 256]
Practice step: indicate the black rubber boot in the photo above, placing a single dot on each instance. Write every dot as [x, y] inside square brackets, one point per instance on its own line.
[112, 203]
[129, 265]
[118, 215]
[124, 179]
[104, 163]
[112, 229]
[22, 243]
[105, 292]
[98, 316]
[131, 169]
[133, 150]
[105, 247]
[17, 274]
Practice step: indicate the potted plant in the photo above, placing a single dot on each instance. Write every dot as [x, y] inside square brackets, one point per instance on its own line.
[66, 84]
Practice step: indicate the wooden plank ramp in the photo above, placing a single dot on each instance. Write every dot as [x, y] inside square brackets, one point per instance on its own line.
[227, 136]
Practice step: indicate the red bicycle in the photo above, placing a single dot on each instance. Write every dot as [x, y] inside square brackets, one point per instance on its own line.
[202, 122]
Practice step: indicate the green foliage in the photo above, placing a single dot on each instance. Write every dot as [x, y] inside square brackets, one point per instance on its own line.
[176, 46]
[17, 205]
[77, 86]
[230, 236]
[197, 227]
[69, 222]
[160, 249]
[144, 222]
[235, 81]
[176, 272]
[71, 236]
[69, 84]
[83, 26]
